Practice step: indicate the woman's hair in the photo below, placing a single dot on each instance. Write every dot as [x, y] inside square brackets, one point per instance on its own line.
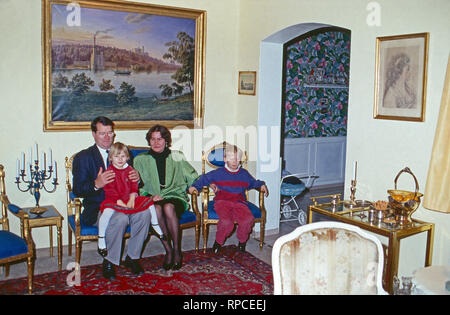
[117, 148]
[165, 133]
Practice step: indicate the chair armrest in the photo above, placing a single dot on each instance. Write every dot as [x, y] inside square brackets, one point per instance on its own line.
[76, 204]
[261, 203]
[194, 203]
[25, 223]
[205, 199]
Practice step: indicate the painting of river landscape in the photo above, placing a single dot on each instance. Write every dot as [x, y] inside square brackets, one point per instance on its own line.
[137, 65]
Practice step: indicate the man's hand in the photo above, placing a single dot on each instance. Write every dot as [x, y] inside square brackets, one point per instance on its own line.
[133, 175]
[104, 178]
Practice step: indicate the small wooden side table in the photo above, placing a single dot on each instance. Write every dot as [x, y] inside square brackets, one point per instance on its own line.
[49, 218]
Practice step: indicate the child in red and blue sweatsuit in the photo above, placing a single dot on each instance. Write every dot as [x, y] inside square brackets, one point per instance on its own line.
[230, 204]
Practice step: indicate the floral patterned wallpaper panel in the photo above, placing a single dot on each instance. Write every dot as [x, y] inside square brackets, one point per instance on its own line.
[316, 94]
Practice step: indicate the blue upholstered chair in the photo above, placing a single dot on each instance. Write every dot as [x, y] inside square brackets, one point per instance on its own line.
[90, 233]
[214, 159]
[14, 248]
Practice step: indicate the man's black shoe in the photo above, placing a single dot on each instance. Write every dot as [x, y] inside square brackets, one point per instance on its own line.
[108, 270]
[134, 265]
[216, 248]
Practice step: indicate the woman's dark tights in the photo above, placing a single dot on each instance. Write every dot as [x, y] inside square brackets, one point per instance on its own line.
[168, 221]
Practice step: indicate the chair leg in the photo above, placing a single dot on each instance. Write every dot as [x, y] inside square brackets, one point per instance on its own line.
[205, 236]
[78, 245]
[261, 235]
[30, 267]
[69, 248]
[197, 237]
[6, 270]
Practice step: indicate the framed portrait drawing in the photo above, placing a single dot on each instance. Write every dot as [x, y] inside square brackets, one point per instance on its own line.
[247, 82]
[136, 63]
[401, 77]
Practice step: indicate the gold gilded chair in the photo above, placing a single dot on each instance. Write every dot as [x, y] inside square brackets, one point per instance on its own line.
[83, 233]
[327, 258]
[214, 159]
[14, 248]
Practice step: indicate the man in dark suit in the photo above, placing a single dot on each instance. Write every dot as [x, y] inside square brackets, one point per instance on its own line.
[89, 178]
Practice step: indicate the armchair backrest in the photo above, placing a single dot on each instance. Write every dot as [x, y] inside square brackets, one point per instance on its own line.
[214, 157]
[17, 211]
[327, 258]
[135, 151]
[4, 219]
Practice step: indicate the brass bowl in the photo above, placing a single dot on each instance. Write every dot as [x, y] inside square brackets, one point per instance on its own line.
[403, 195]
[403, 202]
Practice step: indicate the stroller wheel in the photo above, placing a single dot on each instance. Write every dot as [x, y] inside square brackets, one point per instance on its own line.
[301, 217]
[286, 211]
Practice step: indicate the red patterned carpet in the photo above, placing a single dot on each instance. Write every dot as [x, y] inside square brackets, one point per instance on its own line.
[230, 273]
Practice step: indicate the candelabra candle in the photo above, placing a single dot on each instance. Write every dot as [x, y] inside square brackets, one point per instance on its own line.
[34, 181]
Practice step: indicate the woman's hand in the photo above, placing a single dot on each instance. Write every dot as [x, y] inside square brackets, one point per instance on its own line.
[157, 198]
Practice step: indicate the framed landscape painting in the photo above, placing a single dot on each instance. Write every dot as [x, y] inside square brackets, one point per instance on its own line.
[136, 63]
[401, 77]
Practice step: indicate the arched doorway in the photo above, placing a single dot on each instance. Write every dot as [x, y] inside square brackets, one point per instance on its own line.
[271, 100]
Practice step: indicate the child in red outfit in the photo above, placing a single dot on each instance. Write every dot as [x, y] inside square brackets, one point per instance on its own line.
[122, 195]
[229, 184]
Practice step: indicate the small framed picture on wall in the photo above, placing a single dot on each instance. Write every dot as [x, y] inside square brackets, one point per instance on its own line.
[247, 83]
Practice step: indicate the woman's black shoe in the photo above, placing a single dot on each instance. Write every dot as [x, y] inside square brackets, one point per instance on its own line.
[178, 264]
[167, 265]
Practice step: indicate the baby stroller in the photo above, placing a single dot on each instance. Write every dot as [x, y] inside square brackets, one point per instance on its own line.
[292, 186]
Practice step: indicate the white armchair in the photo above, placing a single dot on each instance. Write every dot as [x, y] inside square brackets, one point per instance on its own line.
[327, 258]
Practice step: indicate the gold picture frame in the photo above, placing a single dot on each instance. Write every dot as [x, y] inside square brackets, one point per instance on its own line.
[401, 77]
[136, 63]
[247, 83]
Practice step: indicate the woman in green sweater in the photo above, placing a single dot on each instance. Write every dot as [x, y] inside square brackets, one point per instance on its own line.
[166, 175]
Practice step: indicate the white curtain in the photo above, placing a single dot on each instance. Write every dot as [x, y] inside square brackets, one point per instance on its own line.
[437, 191]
